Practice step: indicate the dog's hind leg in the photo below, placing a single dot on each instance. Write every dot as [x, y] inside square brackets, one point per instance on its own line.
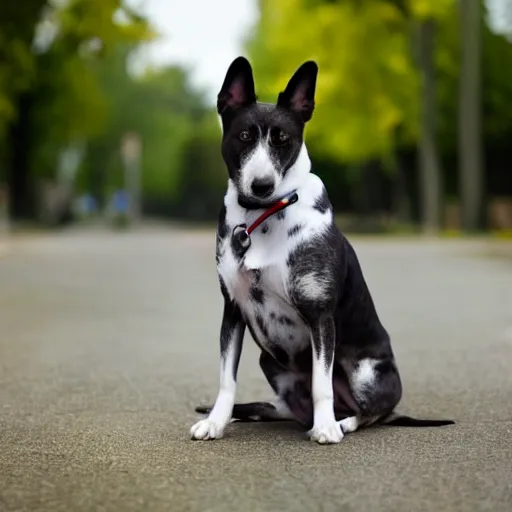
[377, 389]
[372, 390]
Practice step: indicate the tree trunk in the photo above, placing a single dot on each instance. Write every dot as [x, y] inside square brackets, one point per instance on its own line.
[401, 199]
[470, 141]
[430, 189]
[97, 156]
[19, 141]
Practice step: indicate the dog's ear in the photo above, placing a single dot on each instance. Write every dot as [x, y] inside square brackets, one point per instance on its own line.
[238, 88]
[299, 95]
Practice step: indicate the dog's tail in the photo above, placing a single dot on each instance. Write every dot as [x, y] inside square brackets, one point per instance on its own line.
[253, 411]
[399, 420]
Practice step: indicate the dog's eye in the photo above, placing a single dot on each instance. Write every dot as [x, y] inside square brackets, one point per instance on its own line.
[245, 136]
[279, 138]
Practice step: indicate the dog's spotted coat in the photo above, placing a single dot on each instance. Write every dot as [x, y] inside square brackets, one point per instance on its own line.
[298, 287]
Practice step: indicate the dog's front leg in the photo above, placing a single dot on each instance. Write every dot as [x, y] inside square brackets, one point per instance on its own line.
[231, 337]
[325, 429]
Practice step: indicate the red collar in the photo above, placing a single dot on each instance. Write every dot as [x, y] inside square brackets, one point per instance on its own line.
[283, 203]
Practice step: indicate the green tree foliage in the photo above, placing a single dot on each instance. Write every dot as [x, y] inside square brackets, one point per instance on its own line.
[166, 113]
[369, 88]
[71, 101]
[17, 26]
[368, 83]
[55, 99]
[203, 176]
[64, 81]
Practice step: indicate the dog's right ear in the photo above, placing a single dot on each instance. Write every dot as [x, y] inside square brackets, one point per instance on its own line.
[238, 88]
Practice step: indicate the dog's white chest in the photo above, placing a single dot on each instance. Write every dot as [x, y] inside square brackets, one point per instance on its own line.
[260, 282]
[262, 296]
[261, 269]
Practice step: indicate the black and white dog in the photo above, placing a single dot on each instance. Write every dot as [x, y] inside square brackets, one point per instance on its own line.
[295, 282]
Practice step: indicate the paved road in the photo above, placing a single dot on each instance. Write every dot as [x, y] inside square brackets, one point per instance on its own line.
[108, 341]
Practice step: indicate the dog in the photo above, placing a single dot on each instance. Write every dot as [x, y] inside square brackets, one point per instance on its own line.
[291, 277]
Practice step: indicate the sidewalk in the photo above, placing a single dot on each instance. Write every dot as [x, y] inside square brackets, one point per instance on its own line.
[109, 340]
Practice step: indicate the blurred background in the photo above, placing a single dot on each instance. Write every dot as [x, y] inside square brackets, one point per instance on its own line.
[109, 301]
[107, 107]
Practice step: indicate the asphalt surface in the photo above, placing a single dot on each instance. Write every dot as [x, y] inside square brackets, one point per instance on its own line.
[108, 341]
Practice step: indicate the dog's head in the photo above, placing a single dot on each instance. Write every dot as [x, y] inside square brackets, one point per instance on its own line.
[263, 144]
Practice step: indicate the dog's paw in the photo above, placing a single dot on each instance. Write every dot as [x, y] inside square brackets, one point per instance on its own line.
[326, 434]
[207, 429]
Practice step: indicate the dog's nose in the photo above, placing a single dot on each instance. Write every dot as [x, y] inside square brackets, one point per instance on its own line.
[262, 187]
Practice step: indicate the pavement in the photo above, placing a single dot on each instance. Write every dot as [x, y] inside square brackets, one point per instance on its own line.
[108, 341]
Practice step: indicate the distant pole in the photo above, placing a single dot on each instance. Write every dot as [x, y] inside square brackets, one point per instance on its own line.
[131, 151]
[470, 136]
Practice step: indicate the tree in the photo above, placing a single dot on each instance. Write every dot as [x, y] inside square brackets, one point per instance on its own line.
[369, 86]
[179, 134]
[425, 17]
[161, 107]
[17, 71]
[17, 26]
[59, 100]
[470, 133]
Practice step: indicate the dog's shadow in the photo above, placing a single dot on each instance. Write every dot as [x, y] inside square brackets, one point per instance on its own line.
[284, 430]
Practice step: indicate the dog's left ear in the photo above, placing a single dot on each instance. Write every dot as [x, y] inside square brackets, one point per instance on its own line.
[238, 88]
[299, 95]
